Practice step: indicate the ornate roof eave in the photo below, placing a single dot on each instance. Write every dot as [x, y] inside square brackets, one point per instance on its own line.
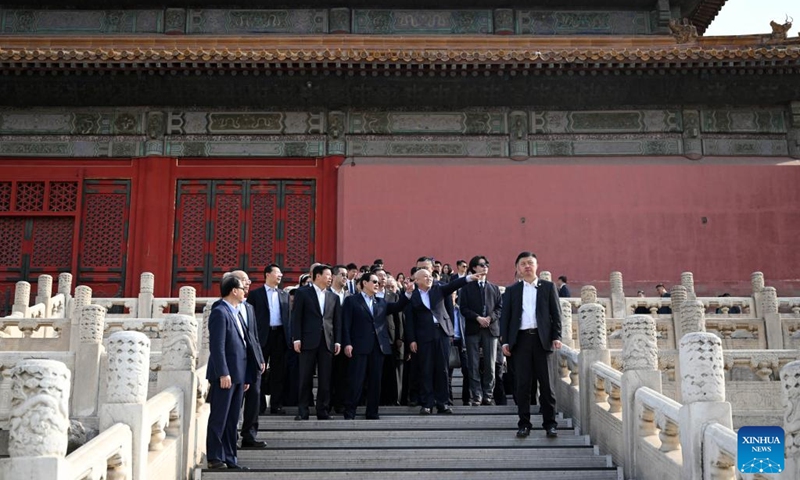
[361, 52]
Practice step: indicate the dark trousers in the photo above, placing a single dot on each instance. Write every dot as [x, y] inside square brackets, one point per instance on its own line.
[370, 367]
[275, 356]
[409, 394]
[433, 367]
[322, 359]
[339, 382]
[465, 373]
[222, 422]
[390, 387]
[530, 362]
[252, 405]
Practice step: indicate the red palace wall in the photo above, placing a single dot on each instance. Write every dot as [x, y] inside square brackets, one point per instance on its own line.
[651, 222]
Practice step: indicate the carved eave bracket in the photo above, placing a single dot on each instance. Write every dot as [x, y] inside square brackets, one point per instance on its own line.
[683, 31]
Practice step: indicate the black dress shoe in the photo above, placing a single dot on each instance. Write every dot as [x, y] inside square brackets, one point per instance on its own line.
[276, 411]
[234, 466]
[373, 417]
[298, 417]
[424, 411]
[323, 417]
[349, 417]
[254, 444]
[523, 432]
[215, 464]
[487, 401]
[552, 432]
[446, 410]
[474, 403]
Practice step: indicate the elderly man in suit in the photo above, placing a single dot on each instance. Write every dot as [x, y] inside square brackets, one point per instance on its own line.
[481, 305]
[530, 326]
[316, 334]
[339, 390]
[252, 397]
[429, 334]
[271, 307]
[367, 341]
[231, 369]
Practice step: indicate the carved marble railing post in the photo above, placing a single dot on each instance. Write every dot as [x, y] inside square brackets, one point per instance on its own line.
[204, 346]
[65, 288]
[677, 296]
[127, 378]
[639, 369]
[790, 381]
[87, 361]
[186, 300]
[146, 288]
[617, 295]
[687, 280]
[703, 391]
[594, 348]
[757, 283]
[83, 297]
[178, 364]
[38, 419]
[692, 319]
[772, 319]
[588, 294]
[545, 275]
[45, 292]
[22, 298]
[566, 324]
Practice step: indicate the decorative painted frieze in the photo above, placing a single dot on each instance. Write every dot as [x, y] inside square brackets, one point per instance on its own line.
[81, 22]
[249, 123]
[606, 121]
[545, 22]
[559, 148]
[426, 147]
[82, 122]
[745, 147]
[385, 123]
[424, 22]
[743, 121]
[285, 21]
[245, 148]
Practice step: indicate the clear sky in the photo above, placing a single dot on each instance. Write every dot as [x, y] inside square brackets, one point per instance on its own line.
[743, 17]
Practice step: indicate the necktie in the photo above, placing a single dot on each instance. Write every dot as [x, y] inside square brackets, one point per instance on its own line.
[240, 326]
[483, 296]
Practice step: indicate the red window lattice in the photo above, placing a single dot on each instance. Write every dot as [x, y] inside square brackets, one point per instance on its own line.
[103, 230]
[63, 196]
[12, 231]
[263, 249]
[30, 196]
[5, 196]
[192, 230]
[52, 242]
[228, 226]
[298, 231]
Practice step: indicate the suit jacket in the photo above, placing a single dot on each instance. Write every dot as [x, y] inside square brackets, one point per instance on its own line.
[419, 325]
[471, 306]
[252, 330]
[228, 351]
[310, 325]
[258, 299]
[548, 314]
[362, 328]
[563, 292]
[394, 321]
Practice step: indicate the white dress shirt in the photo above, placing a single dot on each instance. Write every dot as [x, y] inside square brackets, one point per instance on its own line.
[273, 299]
[370, 302]
[320, 298]
[238, 323]
[529, 293]
[426, 300]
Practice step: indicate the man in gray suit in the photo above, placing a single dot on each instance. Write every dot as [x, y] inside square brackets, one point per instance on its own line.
[316, 335]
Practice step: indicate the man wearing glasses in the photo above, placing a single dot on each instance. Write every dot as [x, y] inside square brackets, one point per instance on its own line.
[481, 305]
[367, 342]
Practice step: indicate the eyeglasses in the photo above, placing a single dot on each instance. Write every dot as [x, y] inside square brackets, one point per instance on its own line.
[483, 265]
[374, 281]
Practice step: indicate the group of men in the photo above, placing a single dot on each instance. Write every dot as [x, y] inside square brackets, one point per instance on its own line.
[362, 331]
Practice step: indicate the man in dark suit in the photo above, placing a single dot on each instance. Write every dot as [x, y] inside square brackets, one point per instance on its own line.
[271, 307]
[530, 326]
[367, 341]
[481, 305]
[316, 334]
[252, 397]
[231, 369]
[563, 289]
[429, 333]
[339, 390]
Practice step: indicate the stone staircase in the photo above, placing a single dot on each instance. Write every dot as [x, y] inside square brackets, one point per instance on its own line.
[473, 443]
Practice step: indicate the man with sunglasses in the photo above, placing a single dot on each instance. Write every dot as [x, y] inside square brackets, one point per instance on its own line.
[481, 304]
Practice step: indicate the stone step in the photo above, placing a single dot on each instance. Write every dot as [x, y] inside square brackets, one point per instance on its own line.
[482, 474]
[399, 422]
[333, 439]
[404, 410]
[432, 459]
